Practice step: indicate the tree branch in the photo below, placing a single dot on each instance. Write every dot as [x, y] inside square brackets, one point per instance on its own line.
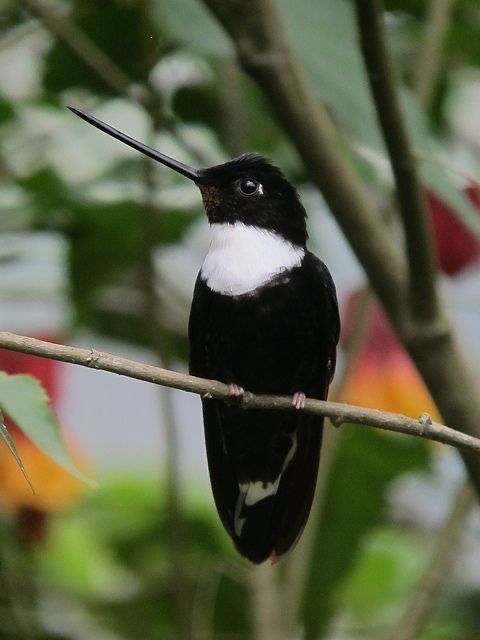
[418, 236]
[430, 55]
[339, 413]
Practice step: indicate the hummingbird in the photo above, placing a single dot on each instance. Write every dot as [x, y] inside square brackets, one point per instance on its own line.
[264, 318]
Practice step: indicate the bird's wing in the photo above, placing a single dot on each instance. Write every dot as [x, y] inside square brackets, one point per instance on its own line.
[297, 486]
[328, 304]
[197, 328]
[223, 482]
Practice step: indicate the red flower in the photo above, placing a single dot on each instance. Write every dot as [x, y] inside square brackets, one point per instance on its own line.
[456, 246]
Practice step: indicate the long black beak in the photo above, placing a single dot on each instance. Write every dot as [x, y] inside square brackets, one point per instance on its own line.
[184, 169]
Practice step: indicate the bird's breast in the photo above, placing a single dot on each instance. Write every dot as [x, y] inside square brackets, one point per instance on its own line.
[242, 258]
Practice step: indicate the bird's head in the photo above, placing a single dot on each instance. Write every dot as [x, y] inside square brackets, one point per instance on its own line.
[251, 190]
[248, 189]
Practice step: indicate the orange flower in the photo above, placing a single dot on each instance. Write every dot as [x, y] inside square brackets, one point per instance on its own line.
[383, 376]
[55, 488]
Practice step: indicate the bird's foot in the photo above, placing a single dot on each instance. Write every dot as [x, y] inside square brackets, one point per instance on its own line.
[235, 392]
[298, 400]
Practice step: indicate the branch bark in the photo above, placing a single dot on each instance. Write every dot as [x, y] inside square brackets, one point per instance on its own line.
[339, 413]
[418, 236]
[430, 55]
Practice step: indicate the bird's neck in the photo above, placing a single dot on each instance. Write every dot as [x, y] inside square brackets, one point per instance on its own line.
[242, 258]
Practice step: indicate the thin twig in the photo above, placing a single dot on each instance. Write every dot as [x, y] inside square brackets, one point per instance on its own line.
[339, 413]
[204, 600]
[430, 54]
[267, 620]
[422, 604]
[422, 270]
[234, 116]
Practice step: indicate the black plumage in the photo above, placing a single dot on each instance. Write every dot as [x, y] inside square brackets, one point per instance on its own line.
[279, 340]
[264, 317]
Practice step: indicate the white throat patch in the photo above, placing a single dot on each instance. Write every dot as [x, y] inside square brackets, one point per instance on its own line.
[242, 258]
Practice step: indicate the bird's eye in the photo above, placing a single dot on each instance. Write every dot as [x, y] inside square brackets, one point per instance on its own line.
[248, 186]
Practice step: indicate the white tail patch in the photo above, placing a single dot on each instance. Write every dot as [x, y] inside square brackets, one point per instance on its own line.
[256, 491]
[253, 492]
[242, 258]
[238, 522]
[291, 452]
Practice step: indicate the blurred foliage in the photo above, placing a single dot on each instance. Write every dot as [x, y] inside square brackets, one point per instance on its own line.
[109, 570]
[462, 44]
[366, 463]
[105, 569]
[135, 43]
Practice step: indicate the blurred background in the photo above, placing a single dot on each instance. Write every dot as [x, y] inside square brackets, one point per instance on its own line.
[99, 248]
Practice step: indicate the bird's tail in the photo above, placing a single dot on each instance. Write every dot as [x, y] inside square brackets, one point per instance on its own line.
[263, 470]
[271, 525]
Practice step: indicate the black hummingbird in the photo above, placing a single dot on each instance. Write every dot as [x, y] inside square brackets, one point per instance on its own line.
[264, 317]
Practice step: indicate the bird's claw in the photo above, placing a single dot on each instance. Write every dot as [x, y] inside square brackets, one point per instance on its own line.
[235, 391]
[298, 400]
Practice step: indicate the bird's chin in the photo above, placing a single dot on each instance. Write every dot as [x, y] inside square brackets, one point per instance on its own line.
[210, 197]
[214, 216]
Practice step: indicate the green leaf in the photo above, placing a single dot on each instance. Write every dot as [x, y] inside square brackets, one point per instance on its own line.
[7, 111]
[48, 191]
[366, 463]
[13, 450]
[12, 13]
[25, 401]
